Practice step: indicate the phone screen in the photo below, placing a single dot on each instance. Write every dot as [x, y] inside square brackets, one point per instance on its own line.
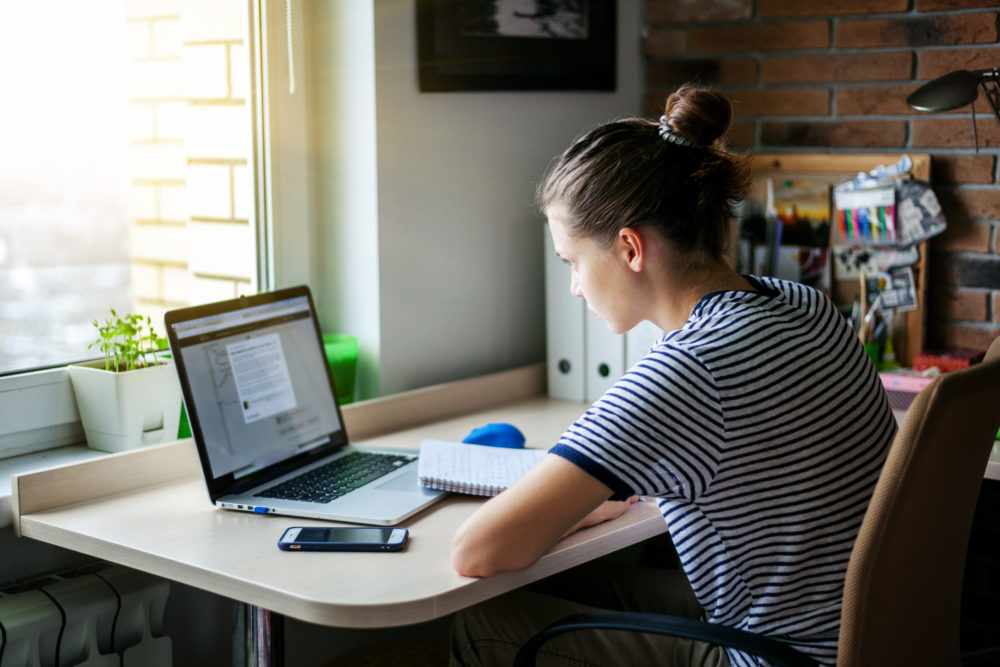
[345, 534]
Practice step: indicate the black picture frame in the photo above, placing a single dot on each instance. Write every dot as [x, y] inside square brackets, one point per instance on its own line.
[458, 51]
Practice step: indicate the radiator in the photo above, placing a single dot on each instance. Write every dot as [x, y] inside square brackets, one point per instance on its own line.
[104, 616]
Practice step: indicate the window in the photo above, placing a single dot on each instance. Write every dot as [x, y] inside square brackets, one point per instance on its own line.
[126, 166]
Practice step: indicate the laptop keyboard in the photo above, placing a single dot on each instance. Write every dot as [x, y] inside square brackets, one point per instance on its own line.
[334, 479]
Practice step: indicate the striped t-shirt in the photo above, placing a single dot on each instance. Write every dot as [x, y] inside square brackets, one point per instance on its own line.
[762, 427]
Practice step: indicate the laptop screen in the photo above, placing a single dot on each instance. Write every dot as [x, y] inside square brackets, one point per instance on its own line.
[256, 382]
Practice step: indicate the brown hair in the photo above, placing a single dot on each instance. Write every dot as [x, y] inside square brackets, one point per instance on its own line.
[625, 174]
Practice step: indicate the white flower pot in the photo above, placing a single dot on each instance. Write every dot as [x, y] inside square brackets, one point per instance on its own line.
[121, 411]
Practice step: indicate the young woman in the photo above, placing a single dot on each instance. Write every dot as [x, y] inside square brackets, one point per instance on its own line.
[757, 421]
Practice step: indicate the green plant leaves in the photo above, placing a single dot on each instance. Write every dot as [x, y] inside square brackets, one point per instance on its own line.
[128, 342]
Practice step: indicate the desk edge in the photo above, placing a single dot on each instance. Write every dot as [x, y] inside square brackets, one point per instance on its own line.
[577, 549]
[49, 488]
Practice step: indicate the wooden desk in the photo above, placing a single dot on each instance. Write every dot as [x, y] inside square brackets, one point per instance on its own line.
[148, 509]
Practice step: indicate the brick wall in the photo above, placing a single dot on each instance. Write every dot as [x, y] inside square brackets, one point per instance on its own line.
[190, 150]
[218, 148]
[833, 76]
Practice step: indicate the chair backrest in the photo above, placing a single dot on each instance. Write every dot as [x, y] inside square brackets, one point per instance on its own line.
[904, 582]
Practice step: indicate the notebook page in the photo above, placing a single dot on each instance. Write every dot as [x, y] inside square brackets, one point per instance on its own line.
[475, 469]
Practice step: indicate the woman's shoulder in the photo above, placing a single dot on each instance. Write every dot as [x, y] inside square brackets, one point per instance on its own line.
[779, 312]
[776, 295]
[771, 286]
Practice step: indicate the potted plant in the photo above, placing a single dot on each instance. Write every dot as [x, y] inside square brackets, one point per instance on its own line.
[131, 397]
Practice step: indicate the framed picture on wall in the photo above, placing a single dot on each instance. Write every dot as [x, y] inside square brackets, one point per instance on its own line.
[465, 45]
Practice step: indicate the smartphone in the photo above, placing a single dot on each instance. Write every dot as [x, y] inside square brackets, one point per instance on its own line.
[343, 538]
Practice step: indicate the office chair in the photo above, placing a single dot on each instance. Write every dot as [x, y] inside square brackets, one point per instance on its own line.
[903, 587]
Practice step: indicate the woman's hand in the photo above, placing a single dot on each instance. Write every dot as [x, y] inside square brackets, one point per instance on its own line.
[606, 511]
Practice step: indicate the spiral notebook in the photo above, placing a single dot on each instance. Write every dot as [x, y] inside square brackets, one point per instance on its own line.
[473, 469]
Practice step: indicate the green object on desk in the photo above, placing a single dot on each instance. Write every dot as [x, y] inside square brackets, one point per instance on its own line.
[888, 358]
[342, 355]
[874, 350]
[183, 426]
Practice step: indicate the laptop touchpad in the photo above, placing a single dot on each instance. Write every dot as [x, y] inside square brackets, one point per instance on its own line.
[405, 482]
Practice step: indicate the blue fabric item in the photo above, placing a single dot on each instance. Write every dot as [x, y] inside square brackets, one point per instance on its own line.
[496, 435]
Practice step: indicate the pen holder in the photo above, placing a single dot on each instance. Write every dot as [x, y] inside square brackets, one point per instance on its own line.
[342, 355]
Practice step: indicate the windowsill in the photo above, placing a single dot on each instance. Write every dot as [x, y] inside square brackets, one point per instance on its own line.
[35, 461]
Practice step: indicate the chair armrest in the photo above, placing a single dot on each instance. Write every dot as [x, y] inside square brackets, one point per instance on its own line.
[774, 652]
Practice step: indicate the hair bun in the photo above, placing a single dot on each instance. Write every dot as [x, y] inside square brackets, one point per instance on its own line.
[700, 114]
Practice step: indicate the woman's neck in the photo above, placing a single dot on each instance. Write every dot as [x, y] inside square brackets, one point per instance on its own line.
[680, 290]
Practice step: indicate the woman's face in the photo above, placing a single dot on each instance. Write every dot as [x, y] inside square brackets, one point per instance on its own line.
[600, 274]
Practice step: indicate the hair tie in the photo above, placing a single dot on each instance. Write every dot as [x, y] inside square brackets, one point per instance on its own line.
[670, 134]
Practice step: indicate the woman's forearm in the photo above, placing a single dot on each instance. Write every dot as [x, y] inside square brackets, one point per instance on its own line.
[516, 528]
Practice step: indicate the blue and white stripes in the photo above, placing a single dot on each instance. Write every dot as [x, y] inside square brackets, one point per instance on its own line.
[762, 426]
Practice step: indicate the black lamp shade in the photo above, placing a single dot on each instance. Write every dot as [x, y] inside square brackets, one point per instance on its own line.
[951, 91]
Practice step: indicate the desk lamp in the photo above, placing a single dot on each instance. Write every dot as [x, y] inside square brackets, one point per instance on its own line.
[957, 89]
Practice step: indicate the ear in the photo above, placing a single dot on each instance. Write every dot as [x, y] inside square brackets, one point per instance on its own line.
[634, 247]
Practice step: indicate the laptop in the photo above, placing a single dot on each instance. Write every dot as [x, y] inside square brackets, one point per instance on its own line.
[265, 418]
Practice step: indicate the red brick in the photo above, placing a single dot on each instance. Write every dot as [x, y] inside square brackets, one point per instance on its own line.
[716, 71]
[930, 5]
[953, 169]
[781, 102]
[964, 270]
[935, 63]
[861, 134]
[948, 336]
[882, 100]
[977, 204]
[936, 30]
[761, 37]
[697, 11]
[782, 8]
[996, 307]
[960, 305]
[740, 133]
[654, 101]
[664, 42]
[955, 132]
[878, 66]
[963, 237]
